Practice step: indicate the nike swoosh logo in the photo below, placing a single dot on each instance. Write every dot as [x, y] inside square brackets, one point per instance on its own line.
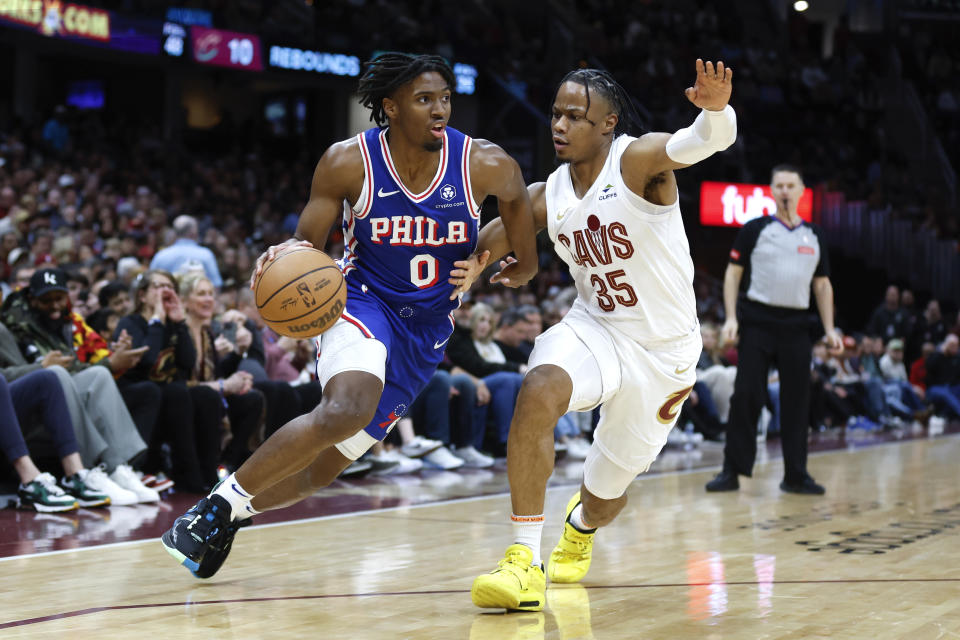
[384, 194]
[437, 345]
[234, 487]
[680, 371]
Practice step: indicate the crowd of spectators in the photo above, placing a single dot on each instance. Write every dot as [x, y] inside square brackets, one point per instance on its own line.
[152, 243]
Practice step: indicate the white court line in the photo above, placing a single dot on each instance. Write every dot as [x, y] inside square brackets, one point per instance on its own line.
[423, 505]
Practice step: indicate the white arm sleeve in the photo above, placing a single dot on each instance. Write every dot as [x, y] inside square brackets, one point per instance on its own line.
[712, 131]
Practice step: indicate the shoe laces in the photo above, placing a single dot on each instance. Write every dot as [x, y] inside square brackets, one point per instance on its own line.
[575, 545]
[96, 477]
[203, 527]
[49, 483]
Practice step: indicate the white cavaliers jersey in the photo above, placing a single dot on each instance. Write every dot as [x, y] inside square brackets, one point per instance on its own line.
[630, 258]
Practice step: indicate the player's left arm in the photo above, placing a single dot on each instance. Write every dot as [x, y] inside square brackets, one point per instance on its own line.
[648, 161]
[494, 173]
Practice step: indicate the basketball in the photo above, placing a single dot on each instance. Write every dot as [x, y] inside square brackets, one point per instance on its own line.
[301, 293]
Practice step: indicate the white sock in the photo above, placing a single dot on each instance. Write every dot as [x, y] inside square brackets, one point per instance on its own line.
[249, 512]
[239, 500]
[576, 519]
[527, 530]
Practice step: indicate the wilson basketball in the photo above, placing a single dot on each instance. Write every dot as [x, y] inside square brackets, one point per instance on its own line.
[301, 293]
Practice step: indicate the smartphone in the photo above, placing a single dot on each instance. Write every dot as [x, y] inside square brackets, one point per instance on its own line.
[230, 331]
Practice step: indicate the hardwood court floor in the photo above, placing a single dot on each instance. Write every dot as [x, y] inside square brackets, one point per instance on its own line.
[877, 557]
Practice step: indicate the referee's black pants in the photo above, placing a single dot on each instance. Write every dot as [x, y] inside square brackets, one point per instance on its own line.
[760, 347]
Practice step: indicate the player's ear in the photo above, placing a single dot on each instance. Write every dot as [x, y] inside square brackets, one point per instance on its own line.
[390, 108]
[610, 123]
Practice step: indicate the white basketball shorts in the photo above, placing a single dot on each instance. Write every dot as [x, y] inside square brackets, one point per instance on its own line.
[639, 390]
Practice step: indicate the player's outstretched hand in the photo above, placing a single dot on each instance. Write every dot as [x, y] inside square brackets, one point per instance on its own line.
[466, 272]
[713, 86]
[272, 253]
[512, 274]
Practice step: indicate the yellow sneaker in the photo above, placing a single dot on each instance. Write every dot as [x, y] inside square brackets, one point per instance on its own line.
[515, 583]
[570, 559]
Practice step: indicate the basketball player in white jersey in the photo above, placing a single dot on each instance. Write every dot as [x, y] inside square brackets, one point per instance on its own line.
[631, 341]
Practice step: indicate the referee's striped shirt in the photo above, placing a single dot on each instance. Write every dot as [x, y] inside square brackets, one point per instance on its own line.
[779, 265]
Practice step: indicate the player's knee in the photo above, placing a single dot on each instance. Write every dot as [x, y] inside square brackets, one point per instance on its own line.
[344, 416]
[546, 392]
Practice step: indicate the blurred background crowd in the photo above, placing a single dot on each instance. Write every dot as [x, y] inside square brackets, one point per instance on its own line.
[137, 189]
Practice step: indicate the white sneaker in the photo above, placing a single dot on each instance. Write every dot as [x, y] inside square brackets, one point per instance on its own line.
[124, 476]
[404, 464]
[676, 438]
[441, 458]
[473, 458]
[578, 448]
[98, 480]
[419, 447]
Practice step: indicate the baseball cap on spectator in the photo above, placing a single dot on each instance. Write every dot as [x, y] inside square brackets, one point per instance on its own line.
[44, 281]
[896, 343]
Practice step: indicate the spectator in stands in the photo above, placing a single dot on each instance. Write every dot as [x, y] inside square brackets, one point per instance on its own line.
[905, 400]
[21, 272]
[943, 377]
[918, 370]
[216, 367]
[186, 250]
[39, 393]
[513, 331]
[283, 401]
[865, 394]
[829, 406]
[115, 296]
[930, 327]
[445, 413]
[78, 290]
[475, 352]
[55, 132]
[189, 418]
[714, 371]
[888, 320]
[40, 322]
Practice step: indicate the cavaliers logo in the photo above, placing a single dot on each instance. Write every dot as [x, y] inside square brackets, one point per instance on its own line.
[668, 410]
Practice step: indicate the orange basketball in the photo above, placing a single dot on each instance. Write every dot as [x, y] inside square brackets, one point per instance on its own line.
[301, 293]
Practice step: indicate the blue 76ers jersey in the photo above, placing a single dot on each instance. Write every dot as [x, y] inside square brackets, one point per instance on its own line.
[399, 250]
[402, 245]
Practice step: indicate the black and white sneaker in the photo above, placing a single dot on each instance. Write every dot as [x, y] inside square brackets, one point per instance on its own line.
[219, 549]
[196, 531]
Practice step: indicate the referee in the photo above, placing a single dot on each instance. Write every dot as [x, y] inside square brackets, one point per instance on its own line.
[772, 264]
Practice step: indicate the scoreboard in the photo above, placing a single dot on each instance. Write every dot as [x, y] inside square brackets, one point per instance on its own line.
[226, 48]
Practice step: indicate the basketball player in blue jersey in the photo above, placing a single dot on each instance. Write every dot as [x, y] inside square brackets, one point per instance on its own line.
[414, 187]
[630, 342]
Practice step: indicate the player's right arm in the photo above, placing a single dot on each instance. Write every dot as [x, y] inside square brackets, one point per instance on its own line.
[494, 239]
[338, 176]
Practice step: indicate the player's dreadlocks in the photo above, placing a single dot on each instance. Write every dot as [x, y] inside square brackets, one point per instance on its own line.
[390, 71]
[620, 102]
